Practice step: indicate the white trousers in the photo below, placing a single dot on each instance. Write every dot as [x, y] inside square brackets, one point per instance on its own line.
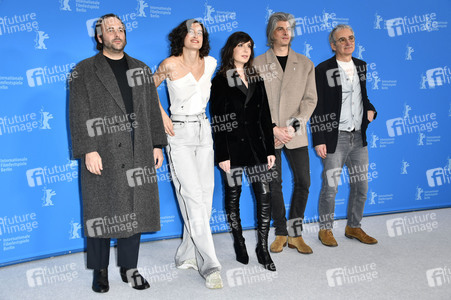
[191, 161]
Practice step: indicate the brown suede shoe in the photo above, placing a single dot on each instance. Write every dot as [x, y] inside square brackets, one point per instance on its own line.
[358, 233]
[298, 243]
[327, 238]
[278, 244]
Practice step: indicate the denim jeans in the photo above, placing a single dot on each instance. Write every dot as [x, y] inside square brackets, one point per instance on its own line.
[350, 152]
[298, 159]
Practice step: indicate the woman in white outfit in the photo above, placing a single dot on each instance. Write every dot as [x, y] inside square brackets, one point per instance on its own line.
[188, 73]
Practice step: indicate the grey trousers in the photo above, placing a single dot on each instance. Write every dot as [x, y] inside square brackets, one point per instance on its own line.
[350, 152]
[191, 161]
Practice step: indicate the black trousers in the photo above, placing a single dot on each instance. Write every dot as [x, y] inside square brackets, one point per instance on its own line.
[98, 252]
[298, 159]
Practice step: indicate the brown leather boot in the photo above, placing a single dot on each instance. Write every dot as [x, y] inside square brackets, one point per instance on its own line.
[327, 238]
[299, 244]
[278, 244]
[358, 233]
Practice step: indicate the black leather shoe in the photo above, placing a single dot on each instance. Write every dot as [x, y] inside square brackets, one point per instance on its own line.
[133, 278]
[100, 281]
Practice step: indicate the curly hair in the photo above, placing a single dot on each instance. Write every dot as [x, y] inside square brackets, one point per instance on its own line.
[227, 61]
[178, 34]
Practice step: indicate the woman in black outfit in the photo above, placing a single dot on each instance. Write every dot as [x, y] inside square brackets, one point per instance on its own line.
[243, 139]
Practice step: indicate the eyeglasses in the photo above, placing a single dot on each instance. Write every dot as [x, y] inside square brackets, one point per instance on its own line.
[343, 40]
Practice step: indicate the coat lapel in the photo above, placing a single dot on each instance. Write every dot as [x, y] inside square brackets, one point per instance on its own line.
[361, 69]
[247, 92]
[338, 90]
[106, 76]
[242, 87]
[290, 68]
[272, 59]
[250, 92]
[138, 90]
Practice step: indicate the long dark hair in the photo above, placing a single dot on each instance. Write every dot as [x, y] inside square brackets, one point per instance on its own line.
[227, 61]
[178, 34]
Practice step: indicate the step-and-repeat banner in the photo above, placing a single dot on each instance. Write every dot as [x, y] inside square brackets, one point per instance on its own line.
[406, 45]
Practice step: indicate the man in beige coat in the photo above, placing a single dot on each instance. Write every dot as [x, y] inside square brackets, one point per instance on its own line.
[290, 85]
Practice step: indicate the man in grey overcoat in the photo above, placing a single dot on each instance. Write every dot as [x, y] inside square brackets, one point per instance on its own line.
[117, 132]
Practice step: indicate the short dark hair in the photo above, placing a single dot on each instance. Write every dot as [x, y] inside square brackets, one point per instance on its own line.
[98, 29]
[227, 61]
[178, 34]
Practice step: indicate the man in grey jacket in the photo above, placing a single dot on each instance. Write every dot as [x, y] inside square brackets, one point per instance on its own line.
[290, 85]
[117, 132]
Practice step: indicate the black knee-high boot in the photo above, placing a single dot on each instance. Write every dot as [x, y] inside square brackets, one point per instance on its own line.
[262, 195]
[232, 206]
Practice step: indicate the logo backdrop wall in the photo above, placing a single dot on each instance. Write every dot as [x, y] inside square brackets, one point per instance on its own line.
[409, 81]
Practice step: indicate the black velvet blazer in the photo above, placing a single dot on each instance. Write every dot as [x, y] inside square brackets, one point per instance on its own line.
[241, 121]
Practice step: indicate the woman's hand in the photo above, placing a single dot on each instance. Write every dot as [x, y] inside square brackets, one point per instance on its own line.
[167, 122]
[271, 161]
[225, 166]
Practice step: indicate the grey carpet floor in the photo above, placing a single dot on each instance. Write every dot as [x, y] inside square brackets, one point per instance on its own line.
[411, 261]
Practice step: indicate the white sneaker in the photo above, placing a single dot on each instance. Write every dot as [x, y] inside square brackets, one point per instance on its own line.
[214, 281]
[189, 264]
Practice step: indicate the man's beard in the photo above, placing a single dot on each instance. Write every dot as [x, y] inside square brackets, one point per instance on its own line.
[115, 48]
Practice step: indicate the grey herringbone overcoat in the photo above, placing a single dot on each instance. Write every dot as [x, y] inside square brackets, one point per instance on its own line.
[123, 200]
